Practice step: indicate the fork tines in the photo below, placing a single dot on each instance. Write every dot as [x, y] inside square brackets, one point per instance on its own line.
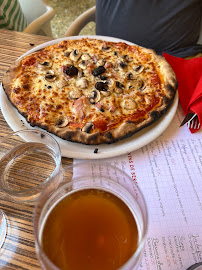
[194, 123]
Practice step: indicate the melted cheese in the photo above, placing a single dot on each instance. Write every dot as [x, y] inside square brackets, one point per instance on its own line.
[46, 93]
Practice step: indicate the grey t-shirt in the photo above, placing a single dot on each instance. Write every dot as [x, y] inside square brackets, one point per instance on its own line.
[171, 26]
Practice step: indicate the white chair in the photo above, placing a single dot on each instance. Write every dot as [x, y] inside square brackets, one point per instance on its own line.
[76, 27]
[88, 16]
[200, 36]
[38, 14]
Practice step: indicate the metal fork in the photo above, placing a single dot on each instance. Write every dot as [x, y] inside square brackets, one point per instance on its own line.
[193, 123]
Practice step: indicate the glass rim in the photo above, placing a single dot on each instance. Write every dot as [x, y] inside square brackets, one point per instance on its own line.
[28, 192]
[76, 180]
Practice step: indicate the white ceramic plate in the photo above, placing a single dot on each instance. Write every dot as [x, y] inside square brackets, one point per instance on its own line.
[76, 150]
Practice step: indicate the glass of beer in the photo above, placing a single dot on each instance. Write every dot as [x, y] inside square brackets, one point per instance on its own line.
[97, 220]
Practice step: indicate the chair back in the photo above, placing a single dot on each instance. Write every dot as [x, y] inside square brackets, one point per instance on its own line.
[38, 14]
[32, 9]
[200, 35]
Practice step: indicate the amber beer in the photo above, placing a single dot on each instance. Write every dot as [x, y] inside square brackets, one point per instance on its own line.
[90, 229]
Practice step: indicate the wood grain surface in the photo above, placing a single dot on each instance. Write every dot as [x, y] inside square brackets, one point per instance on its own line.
[18, 251]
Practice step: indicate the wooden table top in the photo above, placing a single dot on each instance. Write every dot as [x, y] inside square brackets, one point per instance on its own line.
[19, 250]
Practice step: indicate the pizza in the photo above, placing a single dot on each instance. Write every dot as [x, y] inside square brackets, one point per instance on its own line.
[91, 91]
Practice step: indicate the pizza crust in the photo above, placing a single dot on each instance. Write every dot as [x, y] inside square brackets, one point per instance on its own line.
[121, 131]
[10, 75]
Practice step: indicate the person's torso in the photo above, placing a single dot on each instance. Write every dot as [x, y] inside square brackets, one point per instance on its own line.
[158, 24]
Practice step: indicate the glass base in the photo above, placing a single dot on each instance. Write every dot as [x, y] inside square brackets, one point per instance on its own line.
[3, 228]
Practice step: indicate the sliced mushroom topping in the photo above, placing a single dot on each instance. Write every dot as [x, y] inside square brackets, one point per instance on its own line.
[50, 72]
[94, 96]
[50, 76]
[80, 73]
[45, 64]
[75, 94]
[121, 63]
[118, 90]
[68, 62]
[82, 83]
[105, 93]
[62, 83]
[110, 83]
[139, 84]
[67, 53]
[99, 107]
[62, 122]
[75, 55]
[43, 67]
[130, 87]
[130, 76]
[106, 48]
[119, 85]
[88, 127]
[129, 104]
[139, 69]
[142, 85]
[127, 58]
[101, 62]
[83, 64]
[85, 57]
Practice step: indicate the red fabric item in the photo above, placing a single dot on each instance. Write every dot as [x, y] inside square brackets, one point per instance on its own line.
[189, 76]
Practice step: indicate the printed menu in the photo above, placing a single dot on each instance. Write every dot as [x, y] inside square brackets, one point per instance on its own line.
[169, 173]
